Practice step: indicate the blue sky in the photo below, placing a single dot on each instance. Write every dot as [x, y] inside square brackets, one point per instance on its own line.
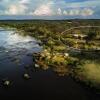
[50, 8]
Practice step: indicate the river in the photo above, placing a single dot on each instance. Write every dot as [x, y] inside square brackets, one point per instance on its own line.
[16, 59]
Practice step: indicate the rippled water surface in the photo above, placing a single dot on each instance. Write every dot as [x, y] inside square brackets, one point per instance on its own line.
[16, 59]
[15, 50]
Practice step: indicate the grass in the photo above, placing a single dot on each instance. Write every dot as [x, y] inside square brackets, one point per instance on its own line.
[89, 73]
[60, 48]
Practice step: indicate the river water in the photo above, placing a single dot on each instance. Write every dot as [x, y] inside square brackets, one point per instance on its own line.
[16, 59]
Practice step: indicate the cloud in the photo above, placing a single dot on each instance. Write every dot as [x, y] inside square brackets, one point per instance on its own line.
[24, 1]
[59, 8]
[65, 12]
[59, 12]
[16, 10]
[87, 12]
[78, 12]
[43, 10]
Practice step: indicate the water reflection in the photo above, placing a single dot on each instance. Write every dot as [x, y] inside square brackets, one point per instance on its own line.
[15, 51]
[16, 61]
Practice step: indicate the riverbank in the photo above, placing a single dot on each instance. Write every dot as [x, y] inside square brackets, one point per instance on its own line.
[55, 54]
[19, 77]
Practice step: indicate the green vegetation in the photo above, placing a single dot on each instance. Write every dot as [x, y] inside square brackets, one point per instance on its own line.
[67, 53]
[89, 72]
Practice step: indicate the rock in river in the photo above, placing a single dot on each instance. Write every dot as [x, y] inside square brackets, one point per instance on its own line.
[6, 83]
[26, 76]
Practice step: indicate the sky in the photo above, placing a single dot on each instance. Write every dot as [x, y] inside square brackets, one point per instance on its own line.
[50, 9]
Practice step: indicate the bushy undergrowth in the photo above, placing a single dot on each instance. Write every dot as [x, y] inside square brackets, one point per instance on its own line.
[89, 72]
